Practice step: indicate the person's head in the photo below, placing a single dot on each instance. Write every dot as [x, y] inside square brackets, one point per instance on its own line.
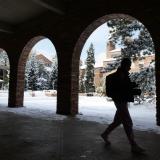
[126, 64]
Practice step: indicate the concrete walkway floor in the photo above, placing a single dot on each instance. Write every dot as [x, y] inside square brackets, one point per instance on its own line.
[26, 138]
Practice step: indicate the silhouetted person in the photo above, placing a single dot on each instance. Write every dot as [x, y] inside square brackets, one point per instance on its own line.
[122, 93]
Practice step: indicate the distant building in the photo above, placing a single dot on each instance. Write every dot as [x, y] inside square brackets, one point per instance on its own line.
[112, 51]
[44, 60]
[98, 75]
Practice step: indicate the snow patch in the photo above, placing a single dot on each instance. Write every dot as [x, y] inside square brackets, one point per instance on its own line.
[96, 109]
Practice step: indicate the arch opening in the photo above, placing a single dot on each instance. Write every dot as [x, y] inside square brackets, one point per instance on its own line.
[4, 77]
[40, 63]
[134, 42]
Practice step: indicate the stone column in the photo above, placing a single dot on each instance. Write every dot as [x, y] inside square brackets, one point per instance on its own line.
[64, 50]
[157, 66]
[16, 84]
[64, 83]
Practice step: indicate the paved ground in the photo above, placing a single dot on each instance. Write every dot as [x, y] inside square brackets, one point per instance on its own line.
[26, 138]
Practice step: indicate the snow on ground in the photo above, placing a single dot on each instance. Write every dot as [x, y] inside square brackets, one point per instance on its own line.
[100, 110]
[97, 109]
[40, 106]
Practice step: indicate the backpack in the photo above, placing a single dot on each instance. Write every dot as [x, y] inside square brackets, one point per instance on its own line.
[109, 84]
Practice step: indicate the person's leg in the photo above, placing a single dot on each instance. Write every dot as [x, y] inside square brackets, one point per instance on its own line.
[122, 109]
[116, 122]
[128, 127]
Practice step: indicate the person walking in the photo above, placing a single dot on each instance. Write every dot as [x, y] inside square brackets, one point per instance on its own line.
[122, 92]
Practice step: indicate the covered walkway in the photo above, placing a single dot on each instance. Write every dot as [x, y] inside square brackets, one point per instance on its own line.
[27, 138]
[68, 24]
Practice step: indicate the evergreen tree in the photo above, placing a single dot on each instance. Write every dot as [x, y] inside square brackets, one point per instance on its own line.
[89, 73]
[135, 42]
[27, 70]
[132, 36]
[81, 85]
[38, 75]
[32, 73]
[43, 76]
[146, 80]
[54, 74]
[42, 83]
[81, 80]
[4, 62]
[113, 65]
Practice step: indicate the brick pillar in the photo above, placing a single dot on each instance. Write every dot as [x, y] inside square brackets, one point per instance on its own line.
[15, 85]
[64, 83]
[84, 35]
[157, 66]
[75, 85]
[65, 44]
[17, 73]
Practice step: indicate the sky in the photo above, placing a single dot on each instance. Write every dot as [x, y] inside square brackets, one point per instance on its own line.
[99, 39]
[45, 46]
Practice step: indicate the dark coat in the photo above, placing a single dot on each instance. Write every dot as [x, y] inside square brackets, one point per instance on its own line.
[122, 87]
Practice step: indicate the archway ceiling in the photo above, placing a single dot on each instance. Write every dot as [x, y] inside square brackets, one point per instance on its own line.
[16, 12]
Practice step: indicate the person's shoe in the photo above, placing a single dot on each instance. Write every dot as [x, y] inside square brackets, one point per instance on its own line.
[105, 138]
[137, 149]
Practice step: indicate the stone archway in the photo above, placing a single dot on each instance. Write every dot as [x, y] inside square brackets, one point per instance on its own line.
[77, 52]
[21, 69]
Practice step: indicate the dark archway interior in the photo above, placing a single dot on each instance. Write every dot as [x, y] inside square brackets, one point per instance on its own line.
[63, 21]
